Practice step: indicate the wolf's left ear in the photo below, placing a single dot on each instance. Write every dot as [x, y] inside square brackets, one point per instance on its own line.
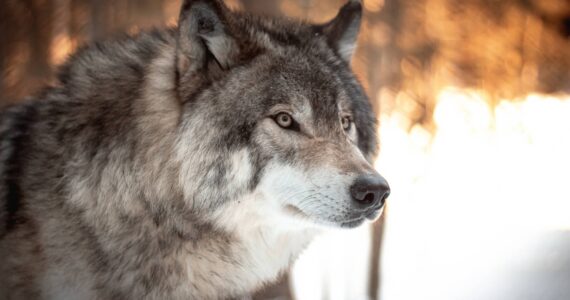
[204, 39]
[342, 31]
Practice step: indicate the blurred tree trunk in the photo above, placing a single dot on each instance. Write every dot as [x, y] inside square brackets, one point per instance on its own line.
[374, 283]
[7, 43]
[384, 73]
[26, 36]
[79, 21]
[39, 38]
[262, 6]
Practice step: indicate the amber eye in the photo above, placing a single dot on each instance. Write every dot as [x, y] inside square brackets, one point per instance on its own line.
[284, 120]
[346, 123]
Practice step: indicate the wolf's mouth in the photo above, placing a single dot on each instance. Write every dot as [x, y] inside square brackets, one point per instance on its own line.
[352, 223]
[295, 211]
[373, 214]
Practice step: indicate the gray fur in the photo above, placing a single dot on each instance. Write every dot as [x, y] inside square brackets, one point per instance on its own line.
[132, 177]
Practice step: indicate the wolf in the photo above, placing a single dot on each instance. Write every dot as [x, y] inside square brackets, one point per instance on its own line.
[193, 162]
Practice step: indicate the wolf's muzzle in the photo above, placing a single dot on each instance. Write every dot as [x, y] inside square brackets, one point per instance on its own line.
[370, 191]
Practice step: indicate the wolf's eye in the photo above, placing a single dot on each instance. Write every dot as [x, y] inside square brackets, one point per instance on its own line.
[286, 121]
[346, 123]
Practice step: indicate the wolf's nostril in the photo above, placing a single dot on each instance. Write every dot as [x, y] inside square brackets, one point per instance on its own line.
[370, 190]
[369, 198]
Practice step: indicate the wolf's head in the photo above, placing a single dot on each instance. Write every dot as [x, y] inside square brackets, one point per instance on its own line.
[272, 110]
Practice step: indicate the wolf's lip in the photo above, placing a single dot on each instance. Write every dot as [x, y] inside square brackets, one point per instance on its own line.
[352, 223]
[373, 214]
[295, 211]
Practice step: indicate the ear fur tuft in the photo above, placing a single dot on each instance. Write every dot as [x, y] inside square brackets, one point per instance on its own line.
[203, 34]
[342, 31]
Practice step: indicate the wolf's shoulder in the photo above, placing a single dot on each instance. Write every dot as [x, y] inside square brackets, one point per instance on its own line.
[117, 63]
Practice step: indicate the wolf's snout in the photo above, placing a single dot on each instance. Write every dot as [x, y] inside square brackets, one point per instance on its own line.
[370, 191]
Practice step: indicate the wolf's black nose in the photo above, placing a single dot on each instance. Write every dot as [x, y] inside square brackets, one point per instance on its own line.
[370, 190]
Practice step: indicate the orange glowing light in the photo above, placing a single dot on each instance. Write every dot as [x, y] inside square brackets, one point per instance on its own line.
[61, 47]
[373, 5]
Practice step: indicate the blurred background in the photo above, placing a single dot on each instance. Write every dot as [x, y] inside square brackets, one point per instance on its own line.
[473, 98]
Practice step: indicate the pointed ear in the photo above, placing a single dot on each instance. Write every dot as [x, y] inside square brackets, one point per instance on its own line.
[204, 40]
[342, 31]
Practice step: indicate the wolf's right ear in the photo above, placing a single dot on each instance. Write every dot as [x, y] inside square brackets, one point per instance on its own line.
[204, 41]
[342, 31]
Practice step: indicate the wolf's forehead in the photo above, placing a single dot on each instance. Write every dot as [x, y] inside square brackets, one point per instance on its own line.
[308, 80]
[319, 90]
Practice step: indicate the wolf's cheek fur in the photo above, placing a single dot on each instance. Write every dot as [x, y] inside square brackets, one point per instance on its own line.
[311, 196]
[320, 196]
